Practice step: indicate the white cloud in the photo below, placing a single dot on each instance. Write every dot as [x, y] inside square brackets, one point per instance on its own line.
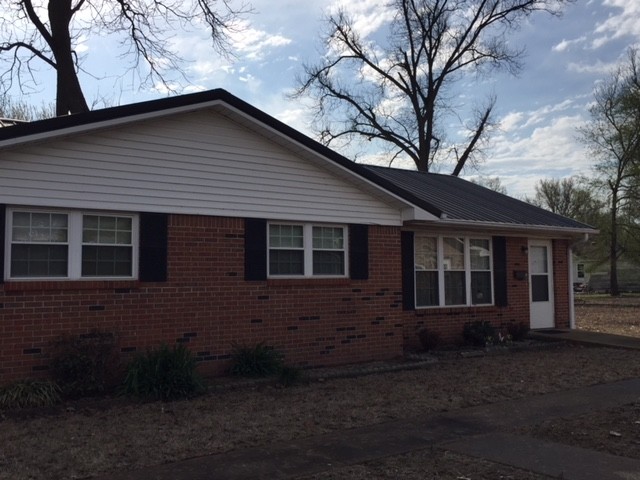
[550, 151]
[623, 23]
[255, 44]
[565, 45]
[598, 67]
[511, 121]
[368, 15]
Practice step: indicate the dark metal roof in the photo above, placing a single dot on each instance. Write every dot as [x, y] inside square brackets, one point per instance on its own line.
[462, 200]
[444, 196]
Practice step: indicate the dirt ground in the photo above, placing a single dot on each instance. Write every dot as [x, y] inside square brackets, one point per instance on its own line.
[79, 440]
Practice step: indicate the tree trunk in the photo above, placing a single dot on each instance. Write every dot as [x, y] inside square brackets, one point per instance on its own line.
[69, 96]
[614, 289]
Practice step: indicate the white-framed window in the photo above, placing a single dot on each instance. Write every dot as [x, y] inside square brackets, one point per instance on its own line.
[70, 244]
[580, 271]
[307, 250]
[453, 271]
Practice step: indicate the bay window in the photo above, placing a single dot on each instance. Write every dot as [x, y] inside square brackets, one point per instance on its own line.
[452, 271]
[70, 245]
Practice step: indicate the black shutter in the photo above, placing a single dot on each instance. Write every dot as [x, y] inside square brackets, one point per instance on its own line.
[500, 285]
[408, 275]
[255, 249]
[153, 247]
[3, 227]
[359, 252]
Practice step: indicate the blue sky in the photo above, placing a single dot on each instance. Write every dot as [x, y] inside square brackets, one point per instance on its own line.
[539, 111]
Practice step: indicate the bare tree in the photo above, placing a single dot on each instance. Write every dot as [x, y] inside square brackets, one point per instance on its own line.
[571, 197]
[613, 136]
[49, 32]
[11, 109]
[400, 93]
[492, 183]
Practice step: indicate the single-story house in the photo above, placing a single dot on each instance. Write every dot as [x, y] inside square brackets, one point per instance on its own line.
[202, 220]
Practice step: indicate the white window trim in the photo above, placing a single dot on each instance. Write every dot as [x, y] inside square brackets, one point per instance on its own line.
[307, 237]
[74, 243]
[467, 269]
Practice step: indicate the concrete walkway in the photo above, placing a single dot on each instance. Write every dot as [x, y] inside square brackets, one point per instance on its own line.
[477, 431]
[587, 338]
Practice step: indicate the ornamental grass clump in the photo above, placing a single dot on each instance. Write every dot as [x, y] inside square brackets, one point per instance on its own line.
[29, 393]
[163, 374]
[259, 360]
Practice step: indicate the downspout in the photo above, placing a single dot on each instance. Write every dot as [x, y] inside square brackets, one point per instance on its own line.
[572, 309]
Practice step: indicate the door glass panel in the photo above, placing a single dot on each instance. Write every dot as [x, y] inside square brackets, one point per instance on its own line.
[538, 260]
[539, 288]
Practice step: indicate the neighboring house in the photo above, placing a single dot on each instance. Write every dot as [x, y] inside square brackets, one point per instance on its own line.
[202, 220]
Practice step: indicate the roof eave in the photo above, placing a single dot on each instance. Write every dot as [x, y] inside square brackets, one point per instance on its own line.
[510, 227]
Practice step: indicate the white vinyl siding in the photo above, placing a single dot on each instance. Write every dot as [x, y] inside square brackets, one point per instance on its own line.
[199, 163]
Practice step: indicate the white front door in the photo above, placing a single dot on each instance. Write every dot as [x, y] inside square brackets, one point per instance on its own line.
[541, 284]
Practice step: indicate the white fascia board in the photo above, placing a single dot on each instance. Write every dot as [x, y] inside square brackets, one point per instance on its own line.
[548, 231]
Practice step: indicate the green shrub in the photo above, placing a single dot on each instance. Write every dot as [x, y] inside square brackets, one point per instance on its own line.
[478, 333]
[85, 365]
[29, 393]
[518, 331]
[163, 374]
[428, 339]
[290, 376]
[255, 361]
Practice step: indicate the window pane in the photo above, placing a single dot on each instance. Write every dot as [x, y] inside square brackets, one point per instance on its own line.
[453, 253]
[100, 261]
[328, 238]
[426, 253]
[286, 262]
[480, 254]
[480, 288]
[286, 236]
[39, 260]
[39, 227]
[427, 290]
[539, 288]
[454, 288]
[328, 262]
[106, 230]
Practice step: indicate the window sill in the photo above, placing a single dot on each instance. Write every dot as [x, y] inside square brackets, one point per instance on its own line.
[448, 308]
[39, 285]
[307, 281]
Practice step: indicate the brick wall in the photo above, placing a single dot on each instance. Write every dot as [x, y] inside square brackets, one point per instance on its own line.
[207, 304]
[449, 322]
[561, 282]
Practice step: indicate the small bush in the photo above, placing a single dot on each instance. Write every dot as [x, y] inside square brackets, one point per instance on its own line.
[518, 331]
[84, 365]
[290, 376]
[29, 393]
[478, 333]
[255, 361]
[163, 374]
[428, 339]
